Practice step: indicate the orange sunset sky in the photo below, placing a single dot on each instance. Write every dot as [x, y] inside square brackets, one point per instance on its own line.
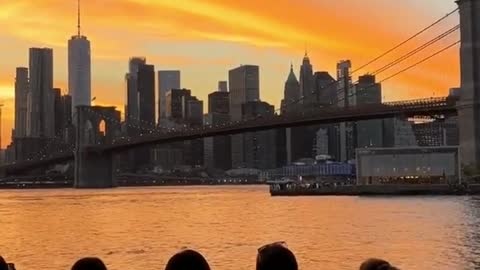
[206, 38]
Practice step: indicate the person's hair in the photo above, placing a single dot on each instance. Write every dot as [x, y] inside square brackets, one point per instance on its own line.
[276, 257]
[89, 263]
[377, 264]
[187, 260]
[3, 264]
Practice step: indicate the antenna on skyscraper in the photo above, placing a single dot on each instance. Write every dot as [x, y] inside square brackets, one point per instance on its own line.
[78, 16]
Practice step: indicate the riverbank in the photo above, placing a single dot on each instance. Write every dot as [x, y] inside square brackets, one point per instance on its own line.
[66, 185]
[379, 190]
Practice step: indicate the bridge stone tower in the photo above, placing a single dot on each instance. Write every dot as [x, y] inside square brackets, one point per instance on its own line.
[93, 167]
[469, 105]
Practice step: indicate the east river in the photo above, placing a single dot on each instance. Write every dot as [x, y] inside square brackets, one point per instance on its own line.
[140, 229]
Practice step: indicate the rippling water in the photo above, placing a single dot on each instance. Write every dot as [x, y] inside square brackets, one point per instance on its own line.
[140, 229]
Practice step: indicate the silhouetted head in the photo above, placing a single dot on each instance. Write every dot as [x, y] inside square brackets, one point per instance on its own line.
[3, 264]
[276, 256]
[376, 264]
[89, 264]
[187, 260]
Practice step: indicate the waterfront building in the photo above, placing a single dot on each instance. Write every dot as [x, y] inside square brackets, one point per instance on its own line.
[408, 165]
[322, 142]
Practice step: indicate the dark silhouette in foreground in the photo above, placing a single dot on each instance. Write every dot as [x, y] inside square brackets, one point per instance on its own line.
[187, 260]
[3, 264]
[89, 264]
[276, 256]
[377, 264]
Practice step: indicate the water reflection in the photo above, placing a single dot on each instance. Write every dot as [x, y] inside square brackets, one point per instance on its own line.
[141, 228]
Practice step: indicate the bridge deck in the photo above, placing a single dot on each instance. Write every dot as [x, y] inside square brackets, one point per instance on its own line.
[432, 106]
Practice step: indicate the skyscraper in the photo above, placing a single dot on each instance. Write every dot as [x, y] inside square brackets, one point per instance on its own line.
[291, 93]
[299, 96]
[344, 85]
[132, 107]
[291, 98]
[174, 104]
[346, 98]
[306, 81]
[167, 80]
[194, 111]
[325, 89]
[146, 94]
[217, 150]
[260, 147]
[244, 87]
[21, 94]
[59, 113]
[223, 86]
[193, 117]
[326, 96]
[40, 108]
[219, 102]
[369, 132]
[79, 68]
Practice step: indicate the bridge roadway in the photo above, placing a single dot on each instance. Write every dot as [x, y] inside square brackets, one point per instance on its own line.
[431, 106]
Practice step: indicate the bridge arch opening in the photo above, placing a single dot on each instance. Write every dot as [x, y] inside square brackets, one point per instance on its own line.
[102, 127]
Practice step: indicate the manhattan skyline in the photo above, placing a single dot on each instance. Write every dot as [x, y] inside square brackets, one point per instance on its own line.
[205, 39]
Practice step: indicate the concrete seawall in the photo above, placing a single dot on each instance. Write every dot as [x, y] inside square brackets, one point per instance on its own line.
[379, 190]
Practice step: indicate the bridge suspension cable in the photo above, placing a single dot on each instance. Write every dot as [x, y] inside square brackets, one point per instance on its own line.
[408, 68]
[53, 142]
[417, 50]
[406, 41]
[421, 61]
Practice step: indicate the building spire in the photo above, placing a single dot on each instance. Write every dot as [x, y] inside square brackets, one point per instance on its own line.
[78, 17]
